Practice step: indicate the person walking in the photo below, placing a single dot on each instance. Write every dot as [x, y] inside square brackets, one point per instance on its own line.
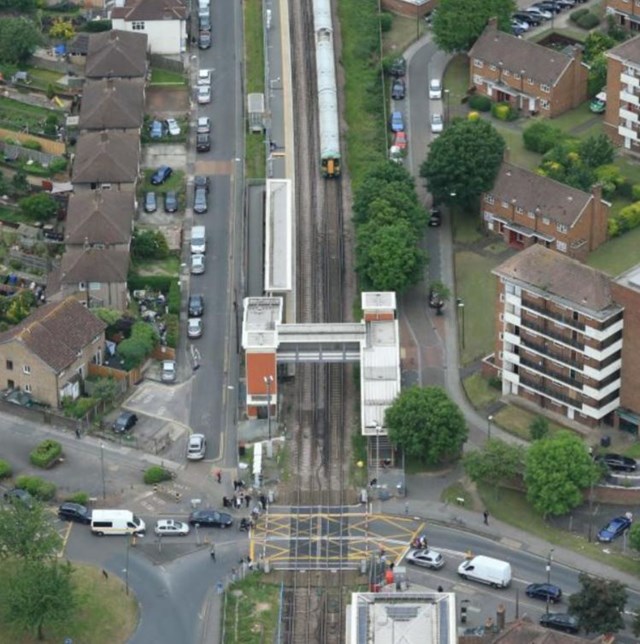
[485, 515]
[219, 476]
[247, 499]
[212, 551]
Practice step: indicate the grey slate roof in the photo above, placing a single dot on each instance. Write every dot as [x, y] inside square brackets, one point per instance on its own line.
[106, 157]
[99, 217]
[103, 265]
[116, 53]
[151, 10]
[112, 103]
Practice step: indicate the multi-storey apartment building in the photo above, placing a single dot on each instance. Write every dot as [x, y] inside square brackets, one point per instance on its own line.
[532, 78]
[559, 335]
[623, 95]
[625, 12]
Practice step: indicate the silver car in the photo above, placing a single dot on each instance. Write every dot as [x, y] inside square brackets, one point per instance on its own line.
[204, 125]
[204, 94]
[437, 124]
[197, 264]
[194, 327]
[426, 558]
[171, 528]
[168, 373]
[196, 447]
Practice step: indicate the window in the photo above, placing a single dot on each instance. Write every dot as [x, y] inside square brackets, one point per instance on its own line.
[477, 80]
[9, 365]
[27, 388]
[519, 210]
[502, 297]
[530, 81]
[501, 335]
[545, 104]
[505, 204]
[516, 75]
[545, 88]
[532, 215]
[561, 246]
[11, 384]
[561, 228]
[26, 369]
[501, 317]
[545, 221]
[489, 199]
[492, 68]
[478, 63]
[82, 286]
[506, 72]
[94, 286]
[137, 25]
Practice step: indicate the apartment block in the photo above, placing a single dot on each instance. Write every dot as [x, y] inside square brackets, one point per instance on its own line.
[625, 12]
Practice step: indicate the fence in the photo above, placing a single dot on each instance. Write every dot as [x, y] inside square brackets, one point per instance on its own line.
[103, 371]
[162, 62]
[31, 261]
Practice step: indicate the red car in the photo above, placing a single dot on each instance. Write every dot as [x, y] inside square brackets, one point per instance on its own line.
[400, 140]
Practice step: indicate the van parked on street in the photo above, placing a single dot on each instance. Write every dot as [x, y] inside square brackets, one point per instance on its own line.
[486, 570]
[106, 522]
[198, 240]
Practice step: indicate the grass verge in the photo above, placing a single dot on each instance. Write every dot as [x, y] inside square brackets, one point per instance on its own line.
[403, 32]
[466, 228]
[479, 392]
[516, 421]
[457, 491]
[167, 266]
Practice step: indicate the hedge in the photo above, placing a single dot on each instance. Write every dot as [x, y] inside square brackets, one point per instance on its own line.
[46, 454]
[541, 136]
[173, 330]
[627, 219]
[79, 407]
[574, 16]
[37, 487]
[79, 497]
[588, 21]
[173, 299]
[5, 469]
[480, 102]
[150, 282]
[156, 474]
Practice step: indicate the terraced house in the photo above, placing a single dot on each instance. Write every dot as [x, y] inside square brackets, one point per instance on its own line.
[530, 77]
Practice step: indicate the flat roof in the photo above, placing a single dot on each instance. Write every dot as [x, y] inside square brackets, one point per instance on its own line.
[278, 236]
[630, 278]
[375, 300]
[259, 319]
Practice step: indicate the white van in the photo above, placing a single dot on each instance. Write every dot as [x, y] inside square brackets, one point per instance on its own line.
[486, 570]
[204, 4]
[116, 522]
[198, 240]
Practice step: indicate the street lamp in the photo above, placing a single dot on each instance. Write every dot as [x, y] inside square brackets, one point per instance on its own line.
[446, 105]
[549, 560]
[378, 428]
[461, 311]
[489, 421]
[104, 487]
[268, 380]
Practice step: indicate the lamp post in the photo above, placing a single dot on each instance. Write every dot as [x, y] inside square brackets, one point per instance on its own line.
[446, 106]
[461, 310]
[378, 428]
[104, 487]
[489, 421]
[268, 380]
[549, 560]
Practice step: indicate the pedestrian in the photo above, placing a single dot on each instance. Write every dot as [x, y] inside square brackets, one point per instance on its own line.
[249, 564]
[247, 499]
[77, 433]
[241, 498]
[263, 501]
[440, 589]
[225, 502]
[255, 513]
[238, 502]
[219, 476]
[234, 574]
[485, 514]
[241, 484]
[373, 482]
[212, 552]
[235, 485]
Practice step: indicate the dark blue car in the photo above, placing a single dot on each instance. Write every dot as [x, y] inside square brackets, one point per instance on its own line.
[161, 175]
[614, 529]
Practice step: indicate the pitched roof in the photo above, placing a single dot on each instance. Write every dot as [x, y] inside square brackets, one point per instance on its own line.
[524, 631]
[539, 63]
[104, 265]
[112, 103]
[535, 193]
[57, 332]
[558, 275]
[106, 157]
[99, 217]
[151, 10]
[627, 51]
[116, 53]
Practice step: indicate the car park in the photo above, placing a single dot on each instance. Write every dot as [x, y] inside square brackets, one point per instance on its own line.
[204, 40]
[170, 201]
[400, 140]
[204, 77]
[74, 512]
[614, 529]
[561, 622]
[204, 125]
[435, 216]
[197, 264]
[161, 175]
[204, 94]
[396, 122]
[150, 202]
[200, 201]
[517, 31]
[196, 305]
[18, 495]
[194, 327]
[521, 24]
[545, 15]
[173, 127]
[210, 518]
[156, 130]
[426, 558]
[435, 89]
[548, 592]
[196, 447]
[168, 371]
[203, 142]
[617, 462]
[124, 422]
[171, 528]
[437, 123]
[398, 89]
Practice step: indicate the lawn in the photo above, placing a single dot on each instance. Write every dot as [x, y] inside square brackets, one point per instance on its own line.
[168, 266]
[15, 115]
[106, 614]
[575, 122]
[516, 421]
[518, 154]
[255, 154]
[454, 492]
[404, 31]
[456, 80]
[254, 48]
[466, 228]
[479, 392]
[167, 77]
[618, 254]
[175, 182]
[44, 77]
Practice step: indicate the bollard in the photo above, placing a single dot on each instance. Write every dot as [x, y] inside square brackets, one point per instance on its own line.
[463, 614]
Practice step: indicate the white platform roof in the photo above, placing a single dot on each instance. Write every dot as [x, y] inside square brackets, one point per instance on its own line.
[278, 237]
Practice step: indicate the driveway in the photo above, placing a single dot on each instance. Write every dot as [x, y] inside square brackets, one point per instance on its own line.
[163, 101]
[173, 155]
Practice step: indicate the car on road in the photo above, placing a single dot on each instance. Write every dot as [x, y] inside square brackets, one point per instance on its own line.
[614, 529]
[203, 142]
[204, 40]
[561, 622]
[204, 125]
[124, 422]
[435, 89]
[398, 89]
[168, 372]
[196, 447]
[161, 175]
[400, 140]
[544, 591]
[19, 496]
[194, 327]
[74, 512]
[398, 67]
[435, 216]
[204, 77]
[196, 305]
[396, 122]
[173, 127]
[200, 200]
[210, 519]
[150, 202]
[205, 21]
[426, 558]
[617, 462]
[156, 130]
[437, 123]
[171, 528]
[197, 264]
[170, 201]
[204, 94]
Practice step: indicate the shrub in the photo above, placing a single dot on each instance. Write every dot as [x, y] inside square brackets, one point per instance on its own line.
[5, 469]
[386, 21]
[173, 299]
[173, 330]
[613, 229]
[46, 453]
[156, 474]
[611, 178]
[574, 16]
[495, 382]
[37, 487]
[79, 497]
[625, 190]
[95, 26]
[473, 116]
[635, 191]
[588, 21]
[480, 102]
[138, 345]
[149, 244]
[629, 217]
[59, 164]
[541, 136]
[77, 408]
[503, 112]
[32, 144]
[538, 428]
[160, 283]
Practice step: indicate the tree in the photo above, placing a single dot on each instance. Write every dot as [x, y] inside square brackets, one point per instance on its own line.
[427, 425]
[538, 428]
[149, 244]
[27, 533]
[106, 389]
[496, 461]
[61, 29]
[38, 207]
[19, 182]
[19, 38]
[138, 346]
[596, 150]
[463, 161]
[634, 536]
[458, 23]
[557, 471]
[599, 604]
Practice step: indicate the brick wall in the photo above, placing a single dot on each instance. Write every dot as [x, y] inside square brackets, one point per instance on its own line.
[614, 85]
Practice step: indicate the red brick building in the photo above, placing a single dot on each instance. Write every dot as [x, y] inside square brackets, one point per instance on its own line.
[526, 208]
[625, 12]
[532, 78]
[410, 8]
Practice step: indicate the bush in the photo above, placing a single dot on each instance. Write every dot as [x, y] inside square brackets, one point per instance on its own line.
[59, 164]
[541, 136]
[574, 16]
[613, 229]
[588, 21]
[95, 26]
[173, 330]
[37, 487]
[77, 408]
[611, 178]
[79, 497]
[138, 345]
[480, 102]
[46, 453]
[173, 299]
[5, 469]
[503, 112]
[386, 22]
[149, 244]
[473, 116]
[629, 217]
[625, 190]
[156, 474]
[32, 144]
[495, 382]
[160, 283]
[635, 191]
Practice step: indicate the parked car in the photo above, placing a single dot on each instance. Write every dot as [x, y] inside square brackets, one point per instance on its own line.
[204, 40]
[517, 31]
[534, 19]
[196, 305]
[561, 622]
[396, 122]
[435, 216]
[204, 125]
[171, 528]
[426, 558]
[614, 529]
[435, 89]
[74, 512]
[598, 103]
[196, 447]
[203, 142]
[197, 264]
[617, 462]
[551, 7]
[204, 94]
[520, 24]
[168, 371]
[211, 518]
[204, 77]
[201, 182]
[194, 327]
[19, 496]
[200, 200]
[398, 67]
[544, 591]
[398, 89]
[205, 22]
[545, 15]
[400, 140]
[437, 123]
[173, 127]
[156, 130]
[170, 201]
[124, 422]
[150, 202]
[161, 175]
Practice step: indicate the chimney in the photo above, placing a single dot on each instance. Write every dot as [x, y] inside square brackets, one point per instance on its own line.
[104, 136]
[596, 191]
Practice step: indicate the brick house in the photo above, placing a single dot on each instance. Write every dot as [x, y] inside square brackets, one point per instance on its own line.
[625, 12]
[526, 208]
[530, 77]
[623, 95]
[117, 54]
[410, 8]
[48, 354]
[112, 103]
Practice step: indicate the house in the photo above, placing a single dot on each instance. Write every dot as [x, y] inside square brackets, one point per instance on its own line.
[100, 219]
[95, 276]
[163, 21]
[107, 159]
[112, 104]
[526, 208]
[623, 95]
[626, 13]
[48, 354]
[559, 331]
[117, 54]
[530, 77]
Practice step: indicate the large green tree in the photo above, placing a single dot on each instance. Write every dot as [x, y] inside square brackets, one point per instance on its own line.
[39, 207]
[495, 462]
[427, 425]
[19, 38]
[27, 533]
[458, 23]
[463, 161]
[557, 471]
[599, 604]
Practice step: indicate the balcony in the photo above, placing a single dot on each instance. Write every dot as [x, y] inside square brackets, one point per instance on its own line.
[540, 368]
[527, 304]
[629, 80]
[559, 337]
[627, 97]
[550, 393]
[544, 350]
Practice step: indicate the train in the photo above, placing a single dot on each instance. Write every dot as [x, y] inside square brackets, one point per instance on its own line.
[330, 157]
